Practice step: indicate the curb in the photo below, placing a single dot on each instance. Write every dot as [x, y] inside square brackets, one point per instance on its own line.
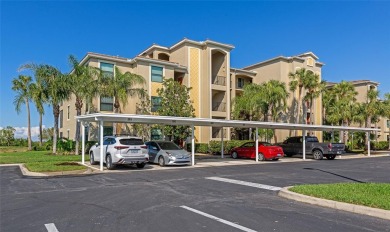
[359, 209]
[26, 172]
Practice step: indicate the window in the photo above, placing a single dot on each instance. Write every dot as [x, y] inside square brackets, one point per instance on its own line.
[157, 74]
[61, 118]
[68, 112]
[108, 130]
[60, 135]
[67, 132]
[240, 83]
[108, 69]
[156, 103]
[106, 103]
[388, 123]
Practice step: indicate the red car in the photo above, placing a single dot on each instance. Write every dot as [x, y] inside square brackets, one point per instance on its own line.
[266, 151]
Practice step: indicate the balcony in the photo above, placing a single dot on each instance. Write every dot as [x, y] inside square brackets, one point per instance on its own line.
[219, 106]
[219, 80]
[217, 133]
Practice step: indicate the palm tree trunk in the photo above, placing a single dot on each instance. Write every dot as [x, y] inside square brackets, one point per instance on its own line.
[28, 126]
[40, 129]
[79, 106]
[56, 113]
[367, 136]
[299, 108]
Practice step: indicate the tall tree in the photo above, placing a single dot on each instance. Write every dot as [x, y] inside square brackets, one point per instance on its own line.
[38, 96]
[373, 107]
[274, 94]
[120, 87]
[344, 95]
[250, 105]
[175, 101]
[22, 87]
[56, 86]
[84, 86]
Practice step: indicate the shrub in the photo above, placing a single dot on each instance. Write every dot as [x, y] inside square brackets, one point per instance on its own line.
[199, 147]
[215, 146]
[41, 148]
[381, 145]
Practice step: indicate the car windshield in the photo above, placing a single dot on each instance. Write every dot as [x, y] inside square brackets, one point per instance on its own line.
[168, 146]
[133, 141]
[266, 144]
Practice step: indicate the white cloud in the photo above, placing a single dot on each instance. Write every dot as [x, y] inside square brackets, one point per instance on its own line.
[21, 132]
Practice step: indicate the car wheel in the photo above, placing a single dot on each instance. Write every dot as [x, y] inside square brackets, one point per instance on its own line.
[140, 165]
[161, 161]
[331, 157]
[109, 164]
[234, 155]
[261, 157]
[92, 159]
[317, 154]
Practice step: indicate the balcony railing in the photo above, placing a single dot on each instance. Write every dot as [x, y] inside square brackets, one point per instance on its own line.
[219, 80]
[219, 106]
[217, 132]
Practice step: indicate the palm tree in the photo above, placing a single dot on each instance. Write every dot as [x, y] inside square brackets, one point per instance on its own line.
[373, 107]
[345, 99]
[297, 84]
[122, 86]
[314, 88]
[274, 94]
[250, 105]
[56, 86]
[84, 81]
[22, 86]
[39, 97]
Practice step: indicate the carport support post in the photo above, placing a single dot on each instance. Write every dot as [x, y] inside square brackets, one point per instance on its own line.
[304, 144]
[192, 146]
[82, 143]
[222, 143]
[368, 144]
[101, 144]
[257, 144]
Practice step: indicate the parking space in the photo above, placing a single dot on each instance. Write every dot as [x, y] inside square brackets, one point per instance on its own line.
[153, 201]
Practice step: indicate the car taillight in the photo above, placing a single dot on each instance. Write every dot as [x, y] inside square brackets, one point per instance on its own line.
[330, 146]
[120, 147]
[144, 147]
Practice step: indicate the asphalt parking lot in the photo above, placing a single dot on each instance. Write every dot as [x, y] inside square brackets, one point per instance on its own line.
[186, 199]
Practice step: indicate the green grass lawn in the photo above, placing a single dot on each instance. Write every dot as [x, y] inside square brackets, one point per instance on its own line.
[43, 161]
[376, 195]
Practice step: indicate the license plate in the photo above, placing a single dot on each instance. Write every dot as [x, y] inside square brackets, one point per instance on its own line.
[134, 150]
[339, 152]
[278, 155]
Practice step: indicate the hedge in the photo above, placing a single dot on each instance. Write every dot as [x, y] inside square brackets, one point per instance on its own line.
[381, 145]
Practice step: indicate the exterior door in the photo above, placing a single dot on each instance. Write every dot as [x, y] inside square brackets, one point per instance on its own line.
[152, 151]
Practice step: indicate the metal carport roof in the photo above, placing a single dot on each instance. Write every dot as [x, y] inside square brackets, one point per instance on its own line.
[170, 120]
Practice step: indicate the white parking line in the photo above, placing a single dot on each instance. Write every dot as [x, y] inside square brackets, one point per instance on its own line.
[218, 219]
[51, 227]
[240, 182]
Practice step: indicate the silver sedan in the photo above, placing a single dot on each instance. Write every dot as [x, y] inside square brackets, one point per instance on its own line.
[167, 153]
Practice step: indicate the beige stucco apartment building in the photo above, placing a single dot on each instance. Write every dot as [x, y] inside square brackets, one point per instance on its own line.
[205, 67]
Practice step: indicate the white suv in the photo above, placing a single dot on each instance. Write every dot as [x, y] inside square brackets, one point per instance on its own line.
[120, 150]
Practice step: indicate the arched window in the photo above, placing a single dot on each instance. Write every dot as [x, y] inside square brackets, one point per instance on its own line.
[310, 62]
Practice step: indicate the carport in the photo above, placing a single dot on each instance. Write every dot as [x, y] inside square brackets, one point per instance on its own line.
[100, 118]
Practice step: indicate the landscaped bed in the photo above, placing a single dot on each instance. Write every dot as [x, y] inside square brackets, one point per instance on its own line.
[43, 161]
[374, 195]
